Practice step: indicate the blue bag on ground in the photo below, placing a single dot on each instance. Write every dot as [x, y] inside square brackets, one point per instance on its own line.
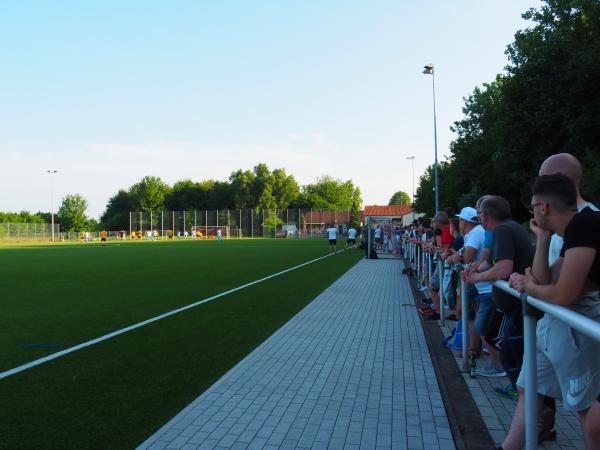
[455, 339]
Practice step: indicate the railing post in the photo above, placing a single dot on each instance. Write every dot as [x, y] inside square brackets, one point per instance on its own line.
[415, 256]
[442, 297]
[531, 409]
[464, 301]
[419, 268]
[429, 264]
[368, 237]
[423, 261]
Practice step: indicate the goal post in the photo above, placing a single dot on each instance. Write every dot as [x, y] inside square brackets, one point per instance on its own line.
[210, 231]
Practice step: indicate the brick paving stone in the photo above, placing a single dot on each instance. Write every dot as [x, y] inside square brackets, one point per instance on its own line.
[349, 371]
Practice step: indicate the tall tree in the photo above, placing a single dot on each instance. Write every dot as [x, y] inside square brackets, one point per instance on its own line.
[242, 182]
[149, 194]
[267, 200]
[355, 215]
[284, 188]
[329, 193]
[71, 214]
[530, 112]
[116, 215]
[400, 198]
[186, 195]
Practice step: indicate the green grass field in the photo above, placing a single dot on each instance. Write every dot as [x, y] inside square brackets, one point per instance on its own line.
[114, 394]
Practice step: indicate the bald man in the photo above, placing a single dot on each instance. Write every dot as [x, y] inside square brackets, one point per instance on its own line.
[565, 164]
[570, 166]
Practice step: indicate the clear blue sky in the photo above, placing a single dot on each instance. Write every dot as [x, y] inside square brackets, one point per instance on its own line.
[108, 92]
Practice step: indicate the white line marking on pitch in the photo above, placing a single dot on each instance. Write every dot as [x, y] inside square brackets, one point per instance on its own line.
[37, 362]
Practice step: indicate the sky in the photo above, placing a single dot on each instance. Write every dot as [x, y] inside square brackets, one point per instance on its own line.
[109, 92]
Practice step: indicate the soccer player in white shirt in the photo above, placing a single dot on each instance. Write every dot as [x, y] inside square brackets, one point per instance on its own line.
[378, 240]
[332, 234]
[351, 237]
[219, 235]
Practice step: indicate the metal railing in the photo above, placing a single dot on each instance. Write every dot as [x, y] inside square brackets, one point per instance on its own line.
[576, 321]
[418, 259]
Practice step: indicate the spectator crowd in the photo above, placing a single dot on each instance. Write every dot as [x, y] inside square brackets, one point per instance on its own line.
[556, 258]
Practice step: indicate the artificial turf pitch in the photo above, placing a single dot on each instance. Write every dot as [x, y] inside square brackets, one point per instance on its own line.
[115, 394]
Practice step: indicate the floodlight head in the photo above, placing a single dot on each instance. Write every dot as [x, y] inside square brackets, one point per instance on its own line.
[428, 69]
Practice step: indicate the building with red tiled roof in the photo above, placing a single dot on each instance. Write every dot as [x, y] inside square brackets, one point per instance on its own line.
[389, 211]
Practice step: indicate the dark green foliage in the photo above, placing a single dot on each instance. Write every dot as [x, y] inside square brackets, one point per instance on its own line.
[24, 217]
[329, 193]
[547, 102]
[71, 214]
[258, 188]
[400, 198]
[149, 194]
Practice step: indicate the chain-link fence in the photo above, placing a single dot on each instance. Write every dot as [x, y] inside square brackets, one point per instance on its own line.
[245, 223]
[11, 231]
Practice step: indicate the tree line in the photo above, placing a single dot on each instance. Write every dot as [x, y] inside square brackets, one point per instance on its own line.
[546, 102]
[259, 188]
[71, 215]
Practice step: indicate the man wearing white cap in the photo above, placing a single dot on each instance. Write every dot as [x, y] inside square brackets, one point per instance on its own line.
[474, 238]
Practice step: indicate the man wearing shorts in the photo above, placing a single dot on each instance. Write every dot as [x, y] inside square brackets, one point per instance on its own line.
[351, 236]
[442, 241]
[568, 366]
[512, 252]
[378, 240]
[332, 235]
[484, 305]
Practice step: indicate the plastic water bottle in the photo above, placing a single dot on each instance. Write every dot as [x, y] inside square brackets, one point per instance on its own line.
[472, 367]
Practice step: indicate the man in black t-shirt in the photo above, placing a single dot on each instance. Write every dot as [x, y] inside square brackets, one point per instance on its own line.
[568, 363]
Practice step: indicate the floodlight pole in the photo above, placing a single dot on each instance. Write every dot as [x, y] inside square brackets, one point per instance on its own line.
[429, 70]
[412, 160]
[52, 172]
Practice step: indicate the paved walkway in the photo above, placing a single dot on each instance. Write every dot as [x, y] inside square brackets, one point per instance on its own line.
[350, 371]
